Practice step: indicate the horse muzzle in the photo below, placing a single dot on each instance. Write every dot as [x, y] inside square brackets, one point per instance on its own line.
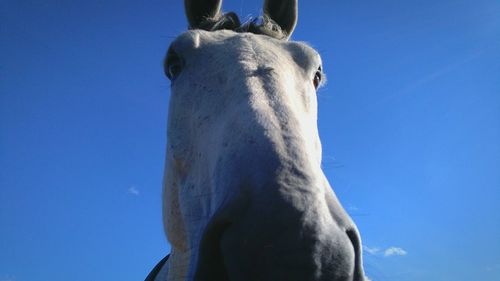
[281, 236]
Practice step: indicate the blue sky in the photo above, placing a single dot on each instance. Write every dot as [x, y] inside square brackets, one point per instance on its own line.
[409, 121]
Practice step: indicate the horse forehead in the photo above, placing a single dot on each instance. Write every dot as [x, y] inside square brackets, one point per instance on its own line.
[227, 42]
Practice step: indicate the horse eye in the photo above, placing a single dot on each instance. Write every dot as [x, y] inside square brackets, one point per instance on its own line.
[173, 65]
[318, 76]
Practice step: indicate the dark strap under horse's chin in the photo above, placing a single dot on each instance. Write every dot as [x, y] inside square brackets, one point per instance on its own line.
[152, 275]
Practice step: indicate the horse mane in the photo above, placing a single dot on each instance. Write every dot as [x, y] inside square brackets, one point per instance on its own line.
[259, 25]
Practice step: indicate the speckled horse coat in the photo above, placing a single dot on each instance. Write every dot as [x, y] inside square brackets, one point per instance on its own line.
[244, 196]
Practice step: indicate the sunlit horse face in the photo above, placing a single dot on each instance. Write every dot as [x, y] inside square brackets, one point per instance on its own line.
[244, 194]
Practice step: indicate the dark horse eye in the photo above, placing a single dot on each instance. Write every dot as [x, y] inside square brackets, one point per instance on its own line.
[318, 76]
[173, 65]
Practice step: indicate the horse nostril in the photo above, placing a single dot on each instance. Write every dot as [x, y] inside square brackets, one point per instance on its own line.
[353, 235]
[210, 264]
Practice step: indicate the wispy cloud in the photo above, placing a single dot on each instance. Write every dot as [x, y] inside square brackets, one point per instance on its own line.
[391, 251]
[371, 251]
[7, 278]
[430, 77]
[394, 251]
[133, 190]
[368, 278]
[494, 267]
[353, 208]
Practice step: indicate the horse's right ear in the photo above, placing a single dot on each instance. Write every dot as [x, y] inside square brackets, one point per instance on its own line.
[199, 10]
[284, 13]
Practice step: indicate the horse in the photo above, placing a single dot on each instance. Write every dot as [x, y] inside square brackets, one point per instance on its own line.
[244, 195]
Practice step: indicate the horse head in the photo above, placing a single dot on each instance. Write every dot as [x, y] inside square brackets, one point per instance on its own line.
[244, 194]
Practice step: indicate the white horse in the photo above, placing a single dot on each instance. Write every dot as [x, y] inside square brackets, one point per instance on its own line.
[244, 195]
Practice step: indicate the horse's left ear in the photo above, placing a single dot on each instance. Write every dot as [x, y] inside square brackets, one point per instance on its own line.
[284, 13]
[199, 10]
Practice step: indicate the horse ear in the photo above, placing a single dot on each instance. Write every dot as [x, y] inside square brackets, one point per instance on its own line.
[283, 12]
[199, 10]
